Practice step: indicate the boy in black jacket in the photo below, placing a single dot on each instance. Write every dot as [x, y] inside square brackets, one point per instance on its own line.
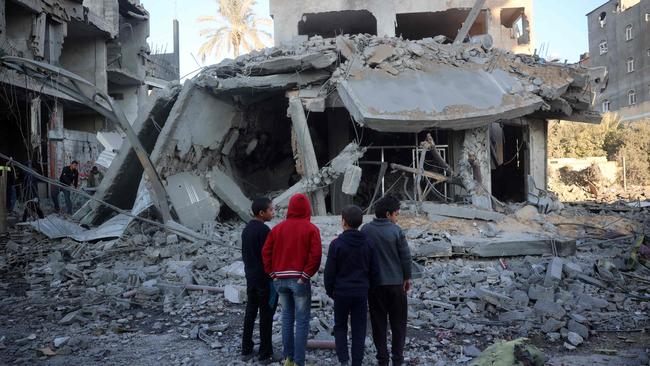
[349, 271]
[258, 283]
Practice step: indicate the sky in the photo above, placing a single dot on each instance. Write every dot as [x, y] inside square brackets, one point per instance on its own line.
[559, 26]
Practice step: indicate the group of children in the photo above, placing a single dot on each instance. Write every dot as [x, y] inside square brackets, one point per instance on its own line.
[368, 270]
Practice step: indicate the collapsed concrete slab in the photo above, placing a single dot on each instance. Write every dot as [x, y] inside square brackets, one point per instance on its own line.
[229, 192]
[518, 247]
[435, 97]
[120, 184]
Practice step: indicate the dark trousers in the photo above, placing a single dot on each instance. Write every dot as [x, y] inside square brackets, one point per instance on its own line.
[66, 197]
[388, 304]
[356, 308]
[258, 301]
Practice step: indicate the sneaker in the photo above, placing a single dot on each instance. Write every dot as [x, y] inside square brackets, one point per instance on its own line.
[289, 362]
[247, 356]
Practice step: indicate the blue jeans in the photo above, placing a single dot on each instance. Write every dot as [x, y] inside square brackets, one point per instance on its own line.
[295, 299]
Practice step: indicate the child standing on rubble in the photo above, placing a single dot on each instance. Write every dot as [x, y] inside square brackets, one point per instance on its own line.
[387, 300]
[349, 271]
[258, 283]
[292, 255]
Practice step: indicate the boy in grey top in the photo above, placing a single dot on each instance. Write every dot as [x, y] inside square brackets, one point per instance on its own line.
[387, 300]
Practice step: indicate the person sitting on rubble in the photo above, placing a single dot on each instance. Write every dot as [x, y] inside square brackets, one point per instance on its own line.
[94, 177]
[258, 283]
[388, 298]
[292, 255]
[32, 210]
[69, 177]
[349, 271]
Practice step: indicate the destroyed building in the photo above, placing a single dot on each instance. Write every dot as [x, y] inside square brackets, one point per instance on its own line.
[344, 119]
[509, 22]
[347, 119]
[102, 41]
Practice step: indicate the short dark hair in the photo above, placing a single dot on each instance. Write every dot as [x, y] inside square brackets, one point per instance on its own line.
[386, 205]
[74, 162]
[353, 216]
[260, 204]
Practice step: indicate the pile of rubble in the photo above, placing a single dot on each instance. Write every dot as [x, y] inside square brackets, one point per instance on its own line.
[588, 184]
[153, 282]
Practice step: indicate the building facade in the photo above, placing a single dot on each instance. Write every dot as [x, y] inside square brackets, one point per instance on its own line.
[509, 22]
[619, 39]
[104, 42]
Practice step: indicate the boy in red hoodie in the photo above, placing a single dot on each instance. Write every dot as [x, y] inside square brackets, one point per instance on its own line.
[291, 256]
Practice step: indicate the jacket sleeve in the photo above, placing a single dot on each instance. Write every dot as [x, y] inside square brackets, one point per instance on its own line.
[314, 256]
[330, 270]
[267, 253]
[404, 255]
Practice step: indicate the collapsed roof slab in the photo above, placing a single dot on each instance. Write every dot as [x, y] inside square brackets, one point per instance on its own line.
[441, 96]
[252, 84]
[280, 65]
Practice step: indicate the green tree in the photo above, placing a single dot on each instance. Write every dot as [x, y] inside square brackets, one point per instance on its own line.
[233, 29]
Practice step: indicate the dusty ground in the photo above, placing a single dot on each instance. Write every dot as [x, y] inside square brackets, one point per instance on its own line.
[43, 281]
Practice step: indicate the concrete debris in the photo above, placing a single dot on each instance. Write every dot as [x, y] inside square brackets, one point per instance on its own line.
[574, 338]
[460, 212]
[201, 285]
[554, 272]
[235, 294]
[351, 180]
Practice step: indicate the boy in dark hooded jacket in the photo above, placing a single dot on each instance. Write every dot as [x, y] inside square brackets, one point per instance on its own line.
[291, 256]
[349, 271]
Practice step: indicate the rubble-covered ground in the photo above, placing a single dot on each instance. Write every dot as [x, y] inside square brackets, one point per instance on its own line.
[125, 301]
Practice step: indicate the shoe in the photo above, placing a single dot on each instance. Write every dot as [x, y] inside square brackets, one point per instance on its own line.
[247, 356]
[288, 362]
[345, 363]
[270, 359]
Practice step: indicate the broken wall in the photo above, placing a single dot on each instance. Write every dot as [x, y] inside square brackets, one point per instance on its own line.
[86, 57]
[189, 147]
[288, 14]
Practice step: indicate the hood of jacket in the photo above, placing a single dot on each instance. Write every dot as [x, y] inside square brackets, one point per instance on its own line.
[353, 238]
[299, 207]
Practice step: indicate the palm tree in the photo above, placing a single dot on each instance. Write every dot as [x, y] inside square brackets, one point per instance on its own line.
[234, 28]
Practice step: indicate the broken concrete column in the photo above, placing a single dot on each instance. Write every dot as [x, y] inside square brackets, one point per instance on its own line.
[474, 166]
[307, 153]
[326, 176]
[120, 184]
[351, 180]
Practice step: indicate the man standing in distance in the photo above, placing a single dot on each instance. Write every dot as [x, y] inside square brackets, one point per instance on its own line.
[387, 301]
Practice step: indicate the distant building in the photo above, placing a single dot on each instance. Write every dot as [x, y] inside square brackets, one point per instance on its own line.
[619, 39]
[104, 42]
[509, 22]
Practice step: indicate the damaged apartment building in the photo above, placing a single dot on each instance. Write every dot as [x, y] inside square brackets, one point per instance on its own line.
[349, 105]
[103, 42]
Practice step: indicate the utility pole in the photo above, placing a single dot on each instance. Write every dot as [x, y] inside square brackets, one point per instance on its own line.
[3, 199]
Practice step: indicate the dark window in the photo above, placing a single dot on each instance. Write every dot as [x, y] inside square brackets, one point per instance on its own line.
[333, 23]
[430, 24]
